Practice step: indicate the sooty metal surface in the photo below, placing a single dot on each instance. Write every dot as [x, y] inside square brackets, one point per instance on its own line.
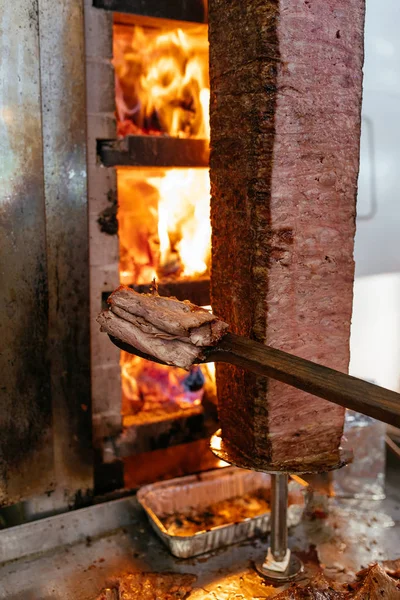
[26, 456]
[182, 10]
[195, 290]
[45, 423]
[64, 140]
[154, 151]
[83, 549]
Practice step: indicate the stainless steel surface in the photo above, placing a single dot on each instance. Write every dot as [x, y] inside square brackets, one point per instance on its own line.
[45, 423]
[294, 569]
[279, 508]
[198, 492]
[69, 528]
[26, 451]
[62, 61]
[279, 535]
[365, 476]
[346, 540]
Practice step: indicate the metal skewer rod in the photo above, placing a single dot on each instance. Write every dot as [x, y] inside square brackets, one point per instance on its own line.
[279, 506]
[280, 564]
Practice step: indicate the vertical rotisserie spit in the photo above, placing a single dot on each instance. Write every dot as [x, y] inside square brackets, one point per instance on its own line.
[286, 82]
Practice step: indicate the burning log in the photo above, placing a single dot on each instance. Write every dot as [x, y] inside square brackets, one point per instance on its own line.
[171, 331]
[286, 81]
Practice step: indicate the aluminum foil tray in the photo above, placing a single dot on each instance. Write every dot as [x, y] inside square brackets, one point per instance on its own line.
[199, 491]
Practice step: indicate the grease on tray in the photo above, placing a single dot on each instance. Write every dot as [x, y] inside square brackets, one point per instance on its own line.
[225, 512]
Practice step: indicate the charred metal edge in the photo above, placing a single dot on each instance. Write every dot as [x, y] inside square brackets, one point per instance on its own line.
[108, 477]
[178, 428]
[194, 290]
[153, 151]
[194, 11]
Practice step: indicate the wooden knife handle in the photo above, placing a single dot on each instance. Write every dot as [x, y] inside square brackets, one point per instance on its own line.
[350, 392]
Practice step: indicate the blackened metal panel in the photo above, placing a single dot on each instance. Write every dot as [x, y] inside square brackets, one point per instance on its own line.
[194, 11]
[154, 151]
[195, 290]
[26, 453]
[62, 61]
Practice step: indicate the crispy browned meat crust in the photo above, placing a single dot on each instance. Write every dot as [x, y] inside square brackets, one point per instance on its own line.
[372, 583]
[392, 567]
[283, 171]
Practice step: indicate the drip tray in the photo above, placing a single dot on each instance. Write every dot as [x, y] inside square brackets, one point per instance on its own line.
[191, 499]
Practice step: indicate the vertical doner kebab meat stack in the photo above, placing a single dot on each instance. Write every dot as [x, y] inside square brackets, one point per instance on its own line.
[286, 80]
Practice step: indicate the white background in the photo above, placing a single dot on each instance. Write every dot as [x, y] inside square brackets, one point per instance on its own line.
[375, 337]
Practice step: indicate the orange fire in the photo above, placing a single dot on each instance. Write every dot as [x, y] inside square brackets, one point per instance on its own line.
[164, 232]
[162, 83]
[162, 87]
[148, 386]
[164, 224]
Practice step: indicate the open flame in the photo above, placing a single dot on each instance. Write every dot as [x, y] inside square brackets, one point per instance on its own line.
[162, 83]
[162, 87]
[148, 386]
[164, 232]
[164, 224]
[184, 226]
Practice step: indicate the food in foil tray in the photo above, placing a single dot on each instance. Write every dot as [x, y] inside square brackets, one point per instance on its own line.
[200, 513]
[224, 512]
